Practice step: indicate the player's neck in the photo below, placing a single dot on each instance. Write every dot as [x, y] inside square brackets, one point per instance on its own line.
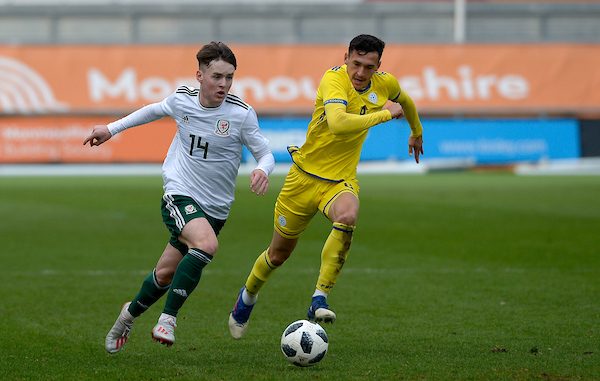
[206, 104]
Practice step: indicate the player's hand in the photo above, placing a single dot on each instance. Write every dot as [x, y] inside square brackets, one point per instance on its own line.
[259, 182]
[395, 109]
[99, 135]
[415, 145]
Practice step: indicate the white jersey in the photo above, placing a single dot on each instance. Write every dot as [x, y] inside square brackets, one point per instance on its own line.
[206, 152]
[205, 155]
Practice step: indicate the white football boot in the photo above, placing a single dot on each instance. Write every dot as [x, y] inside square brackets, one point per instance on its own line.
[119, 333]
[164, 330]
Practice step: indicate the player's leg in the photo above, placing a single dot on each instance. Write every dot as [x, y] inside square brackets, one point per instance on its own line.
[157, 282]
[153, 287]
[268, 261]
[119, 333]
[201, 240]
[279, 250]
[197, 235]
[294, 209]
[342, 210]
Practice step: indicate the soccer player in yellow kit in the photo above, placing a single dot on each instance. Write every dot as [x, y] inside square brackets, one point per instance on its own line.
[350, 99]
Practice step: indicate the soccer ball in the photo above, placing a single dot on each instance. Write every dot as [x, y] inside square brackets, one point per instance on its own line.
[304, 343]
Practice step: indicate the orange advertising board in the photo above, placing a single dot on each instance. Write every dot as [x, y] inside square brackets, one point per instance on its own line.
[52, 96]
[59, 139]
[283, 79]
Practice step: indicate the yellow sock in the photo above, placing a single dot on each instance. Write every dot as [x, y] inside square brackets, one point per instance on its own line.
[334, 255]
[261, 271]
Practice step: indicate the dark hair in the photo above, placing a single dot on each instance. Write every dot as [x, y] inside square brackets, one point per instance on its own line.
[365, 43]
[215, 51]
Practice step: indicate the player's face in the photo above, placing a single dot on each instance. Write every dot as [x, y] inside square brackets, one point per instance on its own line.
[361, 68]
[215, 82]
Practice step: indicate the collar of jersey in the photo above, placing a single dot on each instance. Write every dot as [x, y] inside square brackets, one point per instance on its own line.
[209, 108]
[365, 89]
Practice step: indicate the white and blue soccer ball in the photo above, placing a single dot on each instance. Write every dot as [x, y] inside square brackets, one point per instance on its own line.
[304, 343]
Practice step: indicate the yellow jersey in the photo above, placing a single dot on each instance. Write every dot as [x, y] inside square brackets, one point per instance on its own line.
[334, 142]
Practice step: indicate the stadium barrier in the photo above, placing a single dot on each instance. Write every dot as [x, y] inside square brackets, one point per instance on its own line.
[481, 141]
[52, 96]
[451, 79]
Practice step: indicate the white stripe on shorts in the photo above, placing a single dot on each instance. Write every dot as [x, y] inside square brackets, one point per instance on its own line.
[174, 212]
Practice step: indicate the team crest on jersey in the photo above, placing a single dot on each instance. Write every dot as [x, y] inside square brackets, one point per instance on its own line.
[186, 119]
[373, 97]
[189, 209]
[222, 127]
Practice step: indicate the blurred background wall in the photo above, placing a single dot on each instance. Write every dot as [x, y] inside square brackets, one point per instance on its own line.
[293, 21]
[497, 82]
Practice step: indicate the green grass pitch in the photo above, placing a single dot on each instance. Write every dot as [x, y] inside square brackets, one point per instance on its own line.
[451, 276]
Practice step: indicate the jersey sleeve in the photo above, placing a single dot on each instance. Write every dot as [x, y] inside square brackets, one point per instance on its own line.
[332, 89]
[335, 101]
[396, 94]
[146, 114]
[393, 87]
[410, 113]
[253, 138]
[169, 104]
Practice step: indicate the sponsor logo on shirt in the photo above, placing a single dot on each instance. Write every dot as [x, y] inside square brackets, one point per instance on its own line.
[222, 127]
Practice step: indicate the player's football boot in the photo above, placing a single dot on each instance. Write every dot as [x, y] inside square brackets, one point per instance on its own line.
[164, 330]
[238, 318]
[119, 333]
[319, 311]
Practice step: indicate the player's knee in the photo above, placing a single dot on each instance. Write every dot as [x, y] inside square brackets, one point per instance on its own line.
[208, 245]
[348, 218]
[277, 256]
[164, 275]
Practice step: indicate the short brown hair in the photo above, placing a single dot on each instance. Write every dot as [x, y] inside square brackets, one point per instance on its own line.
[215, 51]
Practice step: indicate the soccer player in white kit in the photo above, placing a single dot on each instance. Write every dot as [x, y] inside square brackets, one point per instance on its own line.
[199, 174]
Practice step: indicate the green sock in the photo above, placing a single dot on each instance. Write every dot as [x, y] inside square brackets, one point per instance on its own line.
[150, 292]
[186, 279]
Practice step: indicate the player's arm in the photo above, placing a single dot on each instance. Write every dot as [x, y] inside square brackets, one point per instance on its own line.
[415, 140]
[334, 91]
[410, 114]
[146, 114]
[258, 145]
[259, 178]
[341, 122]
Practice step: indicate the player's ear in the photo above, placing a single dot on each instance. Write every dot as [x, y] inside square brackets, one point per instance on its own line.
[199, 76]
[346, 58]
